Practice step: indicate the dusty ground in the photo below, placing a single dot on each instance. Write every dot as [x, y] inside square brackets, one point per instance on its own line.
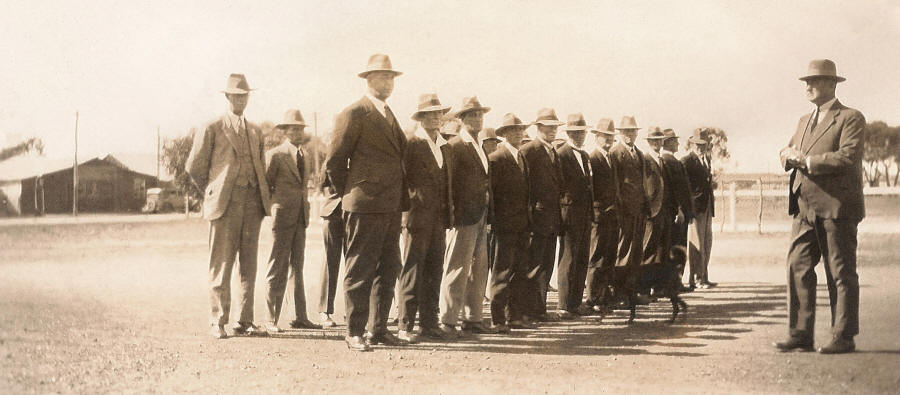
[93, 307]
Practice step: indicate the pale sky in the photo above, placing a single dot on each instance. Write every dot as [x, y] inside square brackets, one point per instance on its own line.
[130, 66]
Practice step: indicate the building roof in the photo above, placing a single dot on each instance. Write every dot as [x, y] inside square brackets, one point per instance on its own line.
[29, 166]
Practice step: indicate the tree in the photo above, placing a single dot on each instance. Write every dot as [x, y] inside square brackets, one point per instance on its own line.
[880, 147]
[31, 145]
[175, 152]
[717, 139]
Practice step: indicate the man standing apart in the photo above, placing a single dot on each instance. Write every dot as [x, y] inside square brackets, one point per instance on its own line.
[826, 200]
[605, 229]
[465, 263]
[545, 179]
[365, 165]
[698, 167]
[226, 163]
[425, 224]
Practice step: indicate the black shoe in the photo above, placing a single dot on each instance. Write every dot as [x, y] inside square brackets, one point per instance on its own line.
[476, 327]
[433, 333]
[356, 343]
[794, 344]
[502, 329]
[839, 345]
[303, 323]
[521, 324]
[691, 288]
[387, 338]
[708, 284]
[248, 329]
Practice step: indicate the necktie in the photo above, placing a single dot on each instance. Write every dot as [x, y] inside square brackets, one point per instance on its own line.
[812, 126]
[389, 115]
[585, 162]
[521, 162]
[299, 163]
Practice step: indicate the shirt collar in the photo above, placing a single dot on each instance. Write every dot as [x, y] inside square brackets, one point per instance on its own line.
[573, 146]
[234, 120]
[422, 134]
[671, 152]
[601, 150]
[378, 103]
[512, 150]
[465, 136]
[544, 143]
[826, 106]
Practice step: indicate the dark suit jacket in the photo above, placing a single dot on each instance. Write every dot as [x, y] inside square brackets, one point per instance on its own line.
[509, 184]
[213, 161]
[700, 179]
[469, 183]
[603, 188]
[628, 172]
[544, 185]
[678, 189]
[428, 195]
[365, 161]
[287, 186]
[331, 208]
[832, 186]
[654, 185]
[576, 205]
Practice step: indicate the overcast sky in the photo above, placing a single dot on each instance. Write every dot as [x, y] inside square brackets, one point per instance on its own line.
[130, 66]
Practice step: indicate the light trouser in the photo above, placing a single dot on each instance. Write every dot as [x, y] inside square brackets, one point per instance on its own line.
[465, 273]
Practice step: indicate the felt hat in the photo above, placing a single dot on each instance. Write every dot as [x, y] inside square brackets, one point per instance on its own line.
[605, 126]
[379, 62]
[698, 137]
[427, 103]
[237, 85]
[822, 68]
[487, 134]
[628, 123]
[655, 133]
[576, 122]
[547, 117]
[292, 118]
[510, 120]
[471, 104]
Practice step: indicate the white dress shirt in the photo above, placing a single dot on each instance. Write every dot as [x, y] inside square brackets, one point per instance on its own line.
[577, 156]
[512, 150]
[655, 156]
[379, 104]
[465, 136]
[434, 145]
[235, 122]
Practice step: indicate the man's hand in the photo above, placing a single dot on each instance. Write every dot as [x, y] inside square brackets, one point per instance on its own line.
[792, 158]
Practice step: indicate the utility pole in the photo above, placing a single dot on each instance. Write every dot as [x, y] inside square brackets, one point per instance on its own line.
[157, 155]
[75, 172]
[315, 144]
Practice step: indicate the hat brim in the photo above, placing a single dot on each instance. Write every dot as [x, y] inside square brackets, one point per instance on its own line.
[504, 129]
[833, 77]
[367, 72]
[620, 129]
[549, 122]
[606, 132]
[461, 112]
[442, 109]
[576, 128]
[284, 125]
[698, 141]
[655, 138]
[235, 91]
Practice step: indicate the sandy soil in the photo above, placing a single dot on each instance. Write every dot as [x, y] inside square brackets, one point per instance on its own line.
[93, 307]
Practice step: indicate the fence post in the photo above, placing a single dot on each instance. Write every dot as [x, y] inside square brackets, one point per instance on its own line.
[760, 211]
[732, 203]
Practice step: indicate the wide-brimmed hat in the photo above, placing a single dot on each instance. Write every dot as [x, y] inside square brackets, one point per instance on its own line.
[292, 118]
[510, 120]
[670, 134]
[698, 137]
[471, 104]
[487, 134]
[237, 85]
[379, 62]
[575, 122]
[628, 123]
[427, 103]
[822, 68]
[655, 133]
[605, 126]
[547, 117]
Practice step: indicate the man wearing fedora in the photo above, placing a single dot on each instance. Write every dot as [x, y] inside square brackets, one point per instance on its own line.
[425, 224]
[545, 191]
[698, 167]
[226, 163]
[632, 208]
[576, 210]
[465, 263]
[511, 290]
[826, 200]
[287, 172]
[604, 230]
[365, 165]
[678, 208]
[657, 231]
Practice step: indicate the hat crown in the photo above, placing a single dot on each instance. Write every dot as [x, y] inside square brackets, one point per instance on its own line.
[628, 122]
[379, 62]
[471, 103]
[605, 125]
[546, 114]
[428, 100]
[655, 132]
[699, 136]
[237, 84]
[293, 115]
[487, 134]
[669, 133]
[822, 68]
[576, 119]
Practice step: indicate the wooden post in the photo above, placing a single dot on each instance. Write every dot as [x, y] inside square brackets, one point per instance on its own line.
[75, 172]
[732, 203]
[760, 210]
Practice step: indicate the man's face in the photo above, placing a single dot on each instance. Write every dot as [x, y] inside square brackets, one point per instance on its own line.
[701, 148]
[297, 135]
[671, 144]
[514, 136]
[430, 120]
[607, 141]
[237, 102]
[629, 135]
[820, 90]
[577, 137]
[655, 144]
[473, 120]
[547, 132]
[381, 83]
[489, 146]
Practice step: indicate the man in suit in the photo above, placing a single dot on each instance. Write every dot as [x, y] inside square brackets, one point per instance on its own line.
[365, 164]
[287, 173]
[226, 163]
[604, 230]
[656, 238]
[425, 224]
[333, 237]
[698, 166]
[576, 209]
[632, 209]
[678, 208]
[511, 291]
[826, 200]
[544, 184]
[465, 263]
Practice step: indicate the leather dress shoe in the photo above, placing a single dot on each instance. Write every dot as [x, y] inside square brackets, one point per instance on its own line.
[387, 338]
[794, 344]
[708, 284]
[502, 329]
[585, 310]
[476, 327]
[450, 332]
[688, 289]
[326, 320]
[356, 343]
[521, 324]
[565, 315]
[248, 329]
[408, 336]
[839, 345]
[218, 331]
[303, 323]
[273, 328]
[602, 309]
[433, 333]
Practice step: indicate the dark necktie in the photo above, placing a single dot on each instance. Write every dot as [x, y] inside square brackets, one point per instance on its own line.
[299, 163]
[585, 164]
[521, 162]
[812, 126]
[389, 115]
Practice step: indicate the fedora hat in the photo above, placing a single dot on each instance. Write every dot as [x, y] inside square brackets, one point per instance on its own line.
[379, 62]
[822, 68]
[510, 120]
[576, 122]
[292, 118]
[698, 137]
[471, 104]
[488, 134]
[605, 126]
[547, 117]
[237, 85]
[427, 103]
[655, 133]
[628, 123]
[670, 134]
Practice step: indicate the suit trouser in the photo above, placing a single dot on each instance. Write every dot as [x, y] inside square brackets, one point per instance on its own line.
[511, 289]
[235, 233]
[573, 264]
[465, 273]
[420, 281]
[542, 251]
[630, 253]
[371, 268]
[834, 240]
[333, 236]
[700, 245]
[679, 240]
[287, 253]
[604, 245]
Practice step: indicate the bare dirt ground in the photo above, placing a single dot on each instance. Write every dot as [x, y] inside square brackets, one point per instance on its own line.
[122, 307]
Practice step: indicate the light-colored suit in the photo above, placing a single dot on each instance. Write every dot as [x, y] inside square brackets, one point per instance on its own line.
[290, 217]
[234, 211]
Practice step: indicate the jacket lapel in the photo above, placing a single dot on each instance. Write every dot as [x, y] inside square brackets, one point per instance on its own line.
[823, 126]
[384, 128]
[230, 133]
[292, 165]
